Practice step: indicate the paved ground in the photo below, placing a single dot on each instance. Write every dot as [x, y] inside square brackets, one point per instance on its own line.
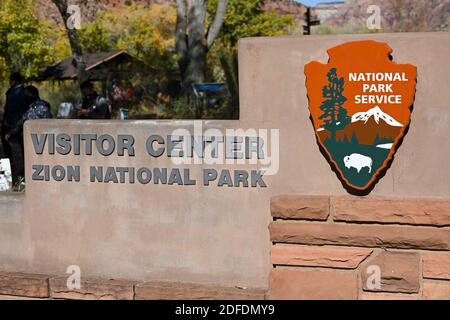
[17, 157]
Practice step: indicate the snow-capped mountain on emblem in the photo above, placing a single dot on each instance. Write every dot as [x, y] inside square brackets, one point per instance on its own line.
[377, 114]
[371, 127]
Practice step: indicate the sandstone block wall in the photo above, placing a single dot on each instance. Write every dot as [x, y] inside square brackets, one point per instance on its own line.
[23, 286]
[334, 247]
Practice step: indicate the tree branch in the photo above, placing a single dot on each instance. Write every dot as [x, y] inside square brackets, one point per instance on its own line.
[74, 42]
[214, 30]
[180, 34]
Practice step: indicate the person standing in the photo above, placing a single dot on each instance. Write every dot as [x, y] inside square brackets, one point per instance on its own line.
[36, 109]
[14, 109]
[93, 106]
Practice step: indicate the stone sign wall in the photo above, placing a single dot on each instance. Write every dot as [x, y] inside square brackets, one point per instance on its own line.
[217, 233]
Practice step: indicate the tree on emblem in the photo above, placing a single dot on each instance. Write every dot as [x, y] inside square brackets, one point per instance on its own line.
[334, 115]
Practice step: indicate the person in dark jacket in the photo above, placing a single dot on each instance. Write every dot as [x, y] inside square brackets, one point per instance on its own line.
[93, 106]
[14, 109]
[37, 109]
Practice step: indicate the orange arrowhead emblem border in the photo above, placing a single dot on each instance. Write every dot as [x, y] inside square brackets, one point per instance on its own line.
[360, 104]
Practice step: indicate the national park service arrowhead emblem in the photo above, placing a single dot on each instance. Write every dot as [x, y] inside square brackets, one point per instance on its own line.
[360, 104]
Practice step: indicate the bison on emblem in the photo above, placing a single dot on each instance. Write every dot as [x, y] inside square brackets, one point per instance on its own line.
[358, 161]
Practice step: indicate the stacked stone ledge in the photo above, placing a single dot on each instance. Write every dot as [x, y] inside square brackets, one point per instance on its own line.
[20, 286]
[333, 248]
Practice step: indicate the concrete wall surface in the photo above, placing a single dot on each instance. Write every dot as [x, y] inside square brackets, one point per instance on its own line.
[212, 234]
[273, 94]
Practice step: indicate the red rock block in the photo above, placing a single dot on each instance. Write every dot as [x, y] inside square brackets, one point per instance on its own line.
[300, 207]
[24, 285]
[399, 272]
[401, 237]
[93, 289]
[432, 212]
[388, 296]
[327, 257]
[288, 284]
[436, 265]
[436, 290]
[188, 291]
[4, 298]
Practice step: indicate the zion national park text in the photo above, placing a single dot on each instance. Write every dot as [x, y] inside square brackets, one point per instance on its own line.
[233, 150]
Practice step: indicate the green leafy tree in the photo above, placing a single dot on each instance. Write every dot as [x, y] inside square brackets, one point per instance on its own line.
[146, 32]
[23, 45]
[242, 19]
[94, 38]
[248, 19]
[334, 115]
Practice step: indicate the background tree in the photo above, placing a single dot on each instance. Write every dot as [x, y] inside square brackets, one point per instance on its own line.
[334, 115]
[248, 19]
[192, 41]
[73, 40]
[144, 31]
[23, 46]
[243, 19]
